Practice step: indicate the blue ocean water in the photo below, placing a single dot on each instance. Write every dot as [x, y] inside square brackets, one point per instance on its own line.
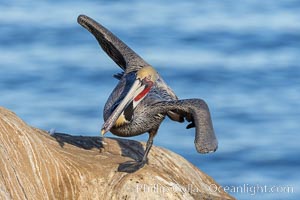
[242, 58]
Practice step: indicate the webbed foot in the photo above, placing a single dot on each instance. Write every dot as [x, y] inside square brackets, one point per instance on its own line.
[131, 166]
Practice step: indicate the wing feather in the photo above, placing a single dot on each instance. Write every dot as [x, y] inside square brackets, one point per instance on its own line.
[195, 111]
[115, 48]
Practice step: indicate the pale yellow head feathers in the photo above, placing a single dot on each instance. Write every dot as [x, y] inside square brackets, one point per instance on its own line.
[147, 72]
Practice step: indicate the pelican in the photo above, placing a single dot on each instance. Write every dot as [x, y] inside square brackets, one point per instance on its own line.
[141, 100]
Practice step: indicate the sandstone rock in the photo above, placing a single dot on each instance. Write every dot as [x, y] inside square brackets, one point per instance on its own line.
[36, 165]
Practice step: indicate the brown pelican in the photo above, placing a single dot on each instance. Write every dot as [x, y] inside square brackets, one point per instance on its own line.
[141, 100]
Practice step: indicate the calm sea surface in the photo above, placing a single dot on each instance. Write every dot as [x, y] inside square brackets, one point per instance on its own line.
[242, 57]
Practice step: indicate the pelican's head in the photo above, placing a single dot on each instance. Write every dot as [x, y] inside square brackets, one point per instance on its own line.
[144, 80]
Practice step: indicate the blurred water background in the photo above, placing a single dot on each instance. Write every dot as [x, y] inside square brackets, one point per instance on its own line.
[242, 57]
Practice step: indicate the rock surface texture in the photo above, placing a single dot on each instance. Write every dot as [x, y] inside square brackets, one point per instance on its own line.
[36, 165]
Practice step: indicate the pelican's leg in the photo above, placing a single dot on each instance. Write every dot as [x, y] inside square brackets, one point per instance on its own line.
[152, 133]
[131, 166]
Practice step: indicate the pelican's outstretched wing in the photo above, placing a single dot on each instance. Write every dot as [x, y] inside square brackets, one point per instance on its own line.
[125, 57]
[195, 111]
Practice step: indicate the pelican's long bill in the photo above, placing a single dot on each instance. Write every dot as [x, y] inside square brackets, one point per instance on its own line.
[137, 92]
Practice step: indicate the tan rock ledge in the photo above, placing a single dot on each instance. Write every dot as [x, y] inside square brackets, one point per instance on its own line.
[35, 165]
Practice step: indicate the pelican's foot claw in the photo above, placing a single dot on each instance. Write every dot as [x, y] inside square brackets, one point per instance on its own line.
[131, 166]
